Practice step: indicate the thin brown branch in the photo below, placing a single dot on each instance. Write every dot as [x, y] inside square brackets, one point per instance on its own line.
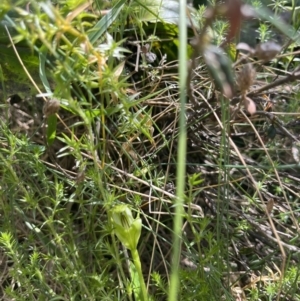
[287, 79]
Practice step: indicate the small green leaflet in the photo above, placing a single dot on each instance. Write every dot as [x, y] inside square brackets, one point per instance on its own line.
[51, 129]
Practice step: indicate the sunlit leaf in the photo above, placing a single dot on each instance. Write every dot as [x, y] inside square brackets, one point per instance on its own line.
[161, 10]
[231, 51]
[42, 71]
[118, 70]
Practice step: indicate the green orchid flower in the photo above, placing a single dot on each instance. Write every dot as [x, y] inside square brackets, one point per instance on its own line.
[126, 228]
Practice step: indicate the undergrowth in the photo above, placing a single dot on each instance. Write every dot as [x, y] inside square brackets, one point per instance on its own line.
[91, 180]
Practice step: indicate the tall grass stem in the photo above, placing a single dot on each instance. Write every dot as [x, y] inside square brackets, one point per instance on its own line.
[181, 169]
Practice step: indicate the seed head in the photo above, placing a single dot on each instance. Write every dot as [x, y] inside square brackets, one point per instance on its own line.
[51, 107]
[246, 78]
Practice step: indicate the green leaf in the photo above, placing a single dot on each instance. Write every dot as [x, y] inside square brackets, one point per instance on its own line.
[219, 67]
[271, 132]
[42, 71]
[135, 282]
[51, 129]
[5, 7]
[102, 26]
[278, 23]
[161, 10]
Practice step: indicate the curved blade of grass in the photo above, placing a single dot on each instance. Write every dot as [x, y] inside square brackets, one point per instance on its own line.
[42, 71]
[102, 26]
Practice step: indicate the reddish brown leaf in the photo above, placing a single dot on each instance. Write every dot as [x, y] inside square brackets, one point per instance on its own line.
[234, 16]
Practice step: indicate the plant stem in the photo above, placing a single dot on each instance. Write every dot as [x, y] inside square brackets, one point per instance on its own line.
[138, 266]
[181, 156]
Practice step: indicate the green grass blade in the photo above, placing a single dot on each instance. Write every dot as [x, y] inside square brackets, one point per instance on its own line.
[42, 71]
[102, 26]
[51, 129]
